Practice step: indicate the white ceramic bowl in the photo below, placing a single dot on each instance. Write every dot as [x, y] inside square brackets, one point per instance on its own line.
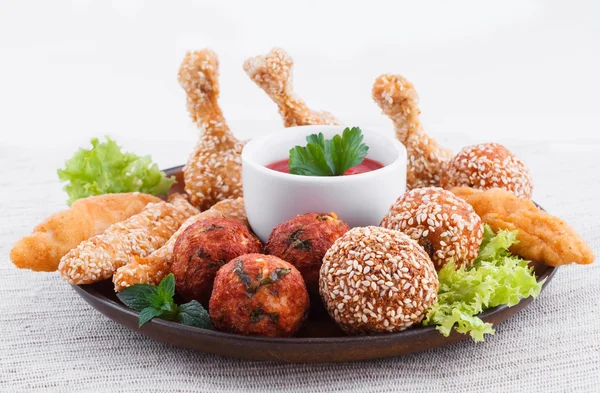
[273, 197]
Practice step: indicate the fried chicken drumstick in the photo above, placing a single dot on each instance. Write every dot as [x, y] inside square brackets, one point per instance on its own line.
[399, 101]
[483, 166]
[542, 237]
[213, 171]
[97, 259]
[273, 74]
[152, 268]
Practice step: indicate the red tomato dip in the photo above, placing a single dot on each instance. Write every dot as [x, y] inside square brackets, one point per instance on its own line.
[367, 165]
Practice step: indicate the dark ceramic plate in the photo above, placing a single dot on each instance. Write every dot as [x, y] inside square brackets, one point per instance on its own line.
[319, 341]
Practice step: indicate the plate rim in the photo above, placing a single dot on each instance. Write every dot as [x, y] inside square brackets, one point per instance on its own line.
[89, 292]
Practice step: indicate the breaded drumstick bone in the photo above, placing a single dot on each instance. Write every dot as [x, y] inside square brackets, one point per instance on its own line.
[426, 159]
[273, 74]
[96, 259]
[213, 171]
[152, 268]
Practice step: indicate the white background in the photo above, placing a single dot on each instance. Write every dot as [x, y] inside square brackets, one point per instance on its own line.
[484, 70]
[525, 73]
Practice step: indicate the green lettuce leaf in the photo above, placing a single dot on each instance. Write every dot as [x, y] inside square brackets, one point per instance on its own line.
[497, 277]
[105, 169]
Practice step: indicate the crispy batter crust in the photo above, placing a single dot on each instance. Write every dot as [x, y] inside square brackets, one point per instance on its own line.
[273, 74]
[154, 267]
[259, 295]
[542, 237]
[97, 259]
[303, 242]
[55, 236]
[213, 171]
[398, 99]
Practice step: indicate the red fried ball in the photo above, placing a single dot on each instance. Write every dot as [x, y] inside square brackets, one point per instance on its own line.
[303, 242]
[203, 248]
[488, 165]
[259, 295]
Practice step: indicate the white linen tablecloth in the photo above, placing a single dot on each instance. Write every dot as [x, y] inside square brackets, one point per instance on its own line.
[51, 340]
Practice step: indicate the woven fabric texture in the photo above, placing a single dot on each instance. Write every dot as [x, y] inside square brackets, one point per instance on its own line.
[51, 340]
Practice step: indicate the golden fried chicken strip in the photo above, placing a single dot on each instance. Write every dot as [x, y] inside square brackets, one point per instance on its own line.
[97, 259]
[154, 267]
[542, 237]
[398, 99]
[213, 171]
[273, 74]
[55, 236]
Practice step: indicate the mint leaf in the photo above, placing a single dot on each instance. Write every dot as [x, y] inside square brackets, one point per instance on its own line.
[140, 296]
[157, 301]
[147, 314]
[166, 288]
[169, 309]
[194, 314]
[325, 157]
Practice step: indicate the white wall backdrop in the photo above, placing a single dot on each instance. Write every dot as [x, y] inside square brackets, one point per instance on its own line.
[75, 69]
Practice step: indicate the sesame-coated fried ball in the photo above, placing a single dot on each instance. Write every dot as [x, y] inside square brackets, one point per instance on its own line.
[259, 295]
[445, 226]
[303, 242]
[488, 165]
[205, 246]
[377, 280]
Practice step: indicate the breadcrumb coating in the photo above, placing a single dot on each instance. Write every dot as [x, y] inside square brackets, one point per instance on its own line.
[398, 99]
[273, 74]
[152, 268]
[97, 259]
[213, 171]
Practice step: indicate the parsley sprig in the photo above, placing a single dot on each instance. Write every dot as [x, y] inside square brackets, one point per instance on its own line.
[328, 157]
[157, 302]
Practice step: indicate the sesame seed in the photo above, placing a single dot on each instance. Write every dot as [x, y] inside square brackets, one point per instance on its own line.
[382, 284]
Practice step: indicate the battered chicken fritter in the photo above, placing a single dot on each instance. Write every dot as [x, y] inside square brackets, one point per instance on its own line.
[542, 237]
[63, 231]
